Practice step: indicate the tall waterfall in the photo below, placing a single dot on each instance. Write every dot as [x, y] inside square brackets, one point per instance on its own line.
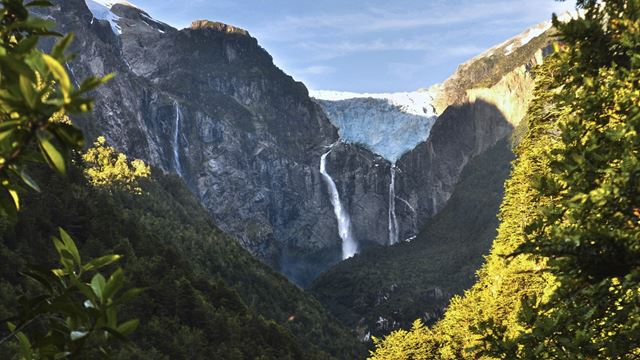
[176, 138]
[349, 245]
[393, 220]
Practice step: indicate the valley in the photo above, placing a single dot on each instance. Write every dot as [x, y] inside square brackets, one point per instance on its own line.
[304, 180]
[250, 215]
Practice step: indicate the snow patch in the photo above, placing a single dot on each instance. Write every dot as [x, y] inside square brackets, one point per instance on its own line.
[101, 10]
[415, 103]
[524, 38]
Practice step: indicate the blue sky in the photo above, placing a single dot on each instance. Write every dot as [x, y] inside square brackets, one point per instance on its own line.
[367, 46]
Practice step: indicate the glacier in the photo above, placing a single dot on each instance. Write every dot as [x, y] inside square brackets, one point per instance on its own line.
[388, 124]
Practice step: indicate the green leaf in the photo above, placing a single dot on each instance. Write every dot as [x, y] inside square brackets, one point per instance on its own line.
[69, 134]
[17, 65]
[70, 245]
[98, 284]
[29, 180]
[45, 279]
[40, 3]
[61, 46]
[6, 134]
[53, 156]
[26, 45]
[101, 262]
[28, 92]
[128, 327]
[9, 124]
[115, 283]
[36, 25]
[129, 295]
[93, 82]
[60, 74]
[7, 204]
[16, 198]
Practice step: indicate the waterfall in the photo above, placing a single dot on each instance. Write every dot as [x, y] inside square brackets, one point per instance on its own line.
[393, 220]
[349, 245]
[414, 219]
[176, 138]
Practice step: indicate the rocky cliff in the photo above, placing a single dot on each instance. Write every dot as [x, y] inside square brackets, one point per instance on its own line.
[208, 104]
[478, 105]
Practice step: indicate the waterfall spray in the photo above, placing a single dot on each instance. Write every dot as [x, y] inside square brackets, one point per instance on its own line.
[393, 220]
[349, 245]
[176, 138]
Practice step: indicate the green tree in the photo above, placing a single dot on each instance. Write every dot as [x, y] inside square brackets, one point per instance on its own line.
[562, 279]
[589, 235]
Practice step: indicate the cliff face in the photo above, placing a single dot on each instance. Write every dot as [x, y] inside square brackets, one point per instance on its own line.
[481, 103]
[512, 58]
[208, 104]
[448, 190]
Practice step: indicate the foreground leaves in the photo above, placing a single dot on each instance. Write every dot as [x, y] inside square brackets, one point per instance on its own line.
[77, 306]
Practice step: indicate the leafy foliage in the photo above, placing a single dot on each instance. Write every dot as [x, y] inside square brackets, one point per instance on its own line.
[107, 168]
[76, 305]
[36, 91]
[562, 281]
[502, 281]
[590, 234]
[35, 98]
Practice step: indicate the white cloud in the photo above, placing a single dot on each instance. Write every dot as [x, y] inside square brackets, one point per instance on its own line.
[316, 70]
[376, 20]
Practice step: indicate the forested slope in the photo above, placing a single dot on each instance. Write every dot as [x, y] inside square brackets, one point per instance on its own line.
[206, 296]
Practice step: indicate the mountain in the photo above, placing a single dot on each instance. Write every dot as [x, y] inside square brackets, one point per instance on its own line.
[207, 103]
[296, 186]
[454, 182]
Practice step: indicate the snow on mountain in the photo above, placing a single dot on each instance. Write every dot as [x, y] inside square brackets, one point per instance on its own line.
[527, 36]
[101, 10]
[388, 124]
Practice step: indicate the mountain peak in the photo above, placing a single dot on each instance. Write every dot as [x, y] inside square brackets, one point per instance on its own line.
[218, 26]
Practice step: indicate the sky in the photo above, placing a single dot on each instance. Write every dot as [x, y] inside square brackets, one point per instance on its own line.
[367, 46]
